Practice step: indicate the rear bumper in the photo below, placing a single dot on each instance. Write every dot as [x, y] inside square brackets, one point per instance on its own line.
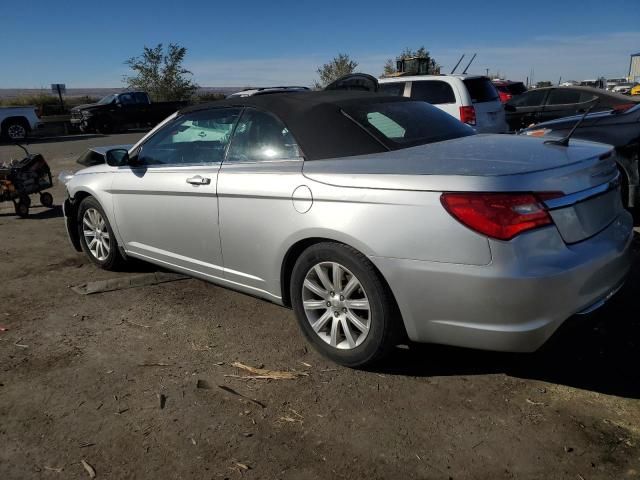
[533, 284]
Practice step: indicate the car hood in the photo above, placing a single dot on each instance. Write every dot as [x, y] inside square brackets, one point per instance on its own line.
[479, 161]
[85, 106]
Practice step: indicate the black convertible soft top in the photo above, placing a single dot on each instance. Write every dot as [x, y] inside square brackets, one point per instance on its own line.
[316, 120]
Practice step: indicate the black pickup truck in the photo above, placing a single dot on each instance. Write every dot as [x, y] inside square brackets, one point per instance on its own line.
[120, 111]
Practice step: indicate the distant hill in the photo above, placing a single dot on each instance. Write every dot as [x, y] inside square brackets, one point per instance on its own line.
[97, 92]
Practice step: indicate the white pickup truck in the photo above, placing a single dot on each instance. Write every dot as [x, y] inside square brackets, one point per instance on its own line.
[17, 122]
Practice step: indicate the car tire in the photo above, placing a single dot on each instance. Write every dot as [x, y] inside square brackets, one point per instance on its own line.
[22, 207]
[46, 199]
[350, 318]
[15, 130]
[97, 239]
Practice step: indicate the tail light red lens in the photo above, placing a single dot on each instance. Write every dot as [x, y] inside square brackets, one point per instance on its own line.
[504, 96]
[623, 107]
[497, 215]
[468, 115]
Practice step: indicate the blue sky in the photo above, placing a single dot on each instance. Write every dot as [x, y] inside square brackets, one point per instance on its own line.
[84, 44]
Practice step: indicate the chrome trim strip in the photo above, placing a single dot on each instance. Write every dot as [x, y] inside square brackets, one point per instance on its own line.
[578, 197]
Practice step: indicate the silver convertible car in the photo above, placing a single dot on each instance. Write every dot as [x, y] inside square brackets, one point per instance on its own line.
[375, 218]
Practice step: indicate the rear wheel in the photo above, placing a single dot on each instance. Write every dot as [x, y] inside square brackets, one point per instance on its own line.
[342, 305]
[96, 235]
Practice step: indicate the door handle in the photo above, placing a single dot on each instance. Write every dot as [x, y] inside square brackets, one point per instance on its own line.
[198, 180]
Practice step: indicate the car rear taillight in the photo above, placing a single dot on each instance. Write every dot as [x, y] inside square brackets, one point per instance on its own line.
[498, 215]
[468, 115]
[623, 107]
[504, 96]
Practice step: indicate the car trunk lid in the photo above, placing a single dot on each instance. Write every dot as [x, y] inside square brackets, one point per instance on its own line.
[581, 177]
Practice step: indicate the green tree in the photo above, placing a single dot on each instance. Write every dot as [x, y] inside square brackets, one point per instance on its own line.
[161, 73]
[390, 65]
[336, 68]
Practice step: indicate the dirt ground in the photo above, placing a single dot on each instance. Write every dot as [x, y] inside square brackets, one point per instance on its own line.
[138, 383]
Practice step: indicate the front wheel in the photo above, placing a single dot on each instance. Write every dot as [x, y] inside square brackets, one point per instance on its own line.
[96, 235]
[342, 305]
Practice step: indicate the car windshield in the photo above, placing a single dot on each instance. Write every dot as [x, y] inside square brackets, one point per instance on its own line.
[107, 100]
[407, 124]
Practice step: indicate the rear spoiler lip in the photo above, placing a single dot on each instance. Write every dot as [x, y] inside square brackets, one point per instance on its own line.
[577, 197]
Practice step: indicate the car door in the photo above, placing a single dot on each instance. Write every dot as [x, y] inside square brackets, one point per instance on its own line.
[165, 202]
[256, 185]
[525, 109]
[127, 111]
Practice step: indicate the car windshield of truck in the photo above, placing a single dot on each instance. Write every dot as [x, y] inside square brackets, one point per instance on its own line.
[481, 90]
[107, 100]
[406, 124]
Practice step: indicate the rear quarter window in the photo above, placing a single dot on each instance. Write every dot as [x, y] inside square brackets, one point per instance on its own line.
[481, 90]
[432, 91]
[406, 124]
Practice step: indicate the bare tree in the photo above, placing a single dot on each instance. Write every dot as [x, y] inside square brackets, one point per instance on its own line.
[336, 68]
[161, 73]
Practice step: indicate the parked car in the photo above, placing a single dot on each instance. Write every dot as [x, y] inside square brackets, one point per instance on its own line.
[544, 104]
[121, 111]
[624, 88]
[635, 90]
[619, 127]
[471, 99]
[372, 216]
[249, 92]
[508, 89]
[16, 123]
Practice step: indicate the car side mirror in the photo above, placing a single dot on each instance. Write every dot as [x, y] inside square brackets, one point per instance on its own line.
[509, 108]
[118, 157]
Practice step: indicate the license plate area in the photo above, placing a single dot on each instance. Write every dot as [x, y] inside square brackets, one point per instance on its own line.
[585, 219]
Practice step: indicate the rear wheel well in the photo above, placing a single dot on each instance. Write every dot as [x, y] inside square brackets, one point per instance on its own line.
[294, 253]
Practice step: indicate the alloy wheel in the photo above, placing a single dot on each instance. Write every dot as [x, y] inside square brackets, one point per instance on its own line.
[336, 305]
[16, 132]
[96, 234]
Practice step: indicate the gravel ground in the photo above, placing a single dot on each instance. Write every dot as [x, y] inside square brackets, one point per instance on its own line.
[139, 383]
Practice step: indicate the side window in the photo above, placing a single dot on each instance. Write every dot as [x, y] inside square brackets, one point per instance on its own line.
[126, 99]
[532, 98]
[195, 138]
[261, 136]
[586, 97]
[140, 98]
[433, 91]
[395, 88]
[561, 96]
